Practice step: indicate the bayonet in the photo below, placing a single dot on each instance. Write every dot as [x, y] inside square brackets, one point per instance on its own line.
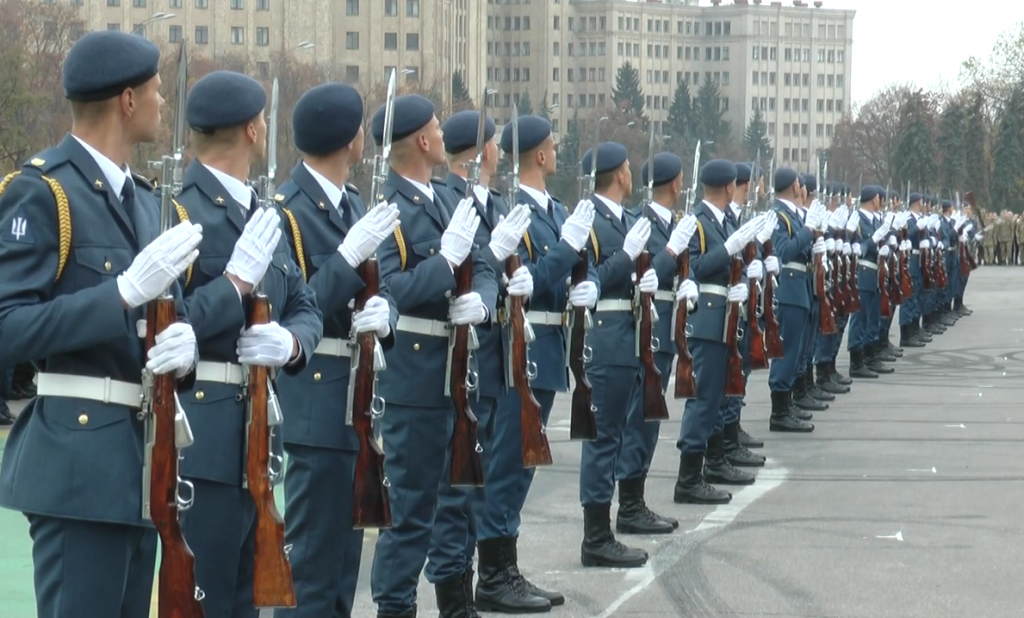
[592, 177]
[752, 186]
[513, 188]
[692, 196]
[649, 189]
[382, 158]
[475, 165]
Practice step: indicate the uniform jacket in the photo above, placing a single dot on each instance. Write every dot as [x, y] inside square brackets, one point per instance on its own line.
[867, 278]
[314, 400]
[710, 264]
[664, 263]
[613, 339]
[217, 411]
[66, 457]
[791, 244]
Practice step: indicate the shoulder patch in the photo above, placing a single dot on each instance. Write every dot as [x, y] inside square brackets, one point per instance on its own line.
[351, 188]
[142, 181]
[19, 231]
[37, 162]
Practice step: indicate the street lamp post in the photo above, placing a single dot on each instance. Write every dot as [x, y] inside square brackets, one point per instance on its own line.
[301, 46]
[140, 27]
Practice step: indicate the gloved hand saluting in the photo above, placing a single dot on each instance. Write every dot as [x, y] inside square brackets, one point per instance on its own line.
[457, 239]
[255, 249]
[367, 234]
[636, 239]
[816, 216]
[577, 227]
[770, 219]
[160, 264]
[682, 234]
[509, 231]
[853, 222]
[741, 237]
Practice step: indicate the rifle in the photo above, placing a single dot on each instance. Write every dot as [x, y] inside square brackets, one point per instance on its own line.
[272, 574]
[772, 330]
[686, 380]
[583, 424]
[883, 280]
[646, 315]
[164, 422]
[371, 504]
[735, 385]
[826, 319]
[758, 353]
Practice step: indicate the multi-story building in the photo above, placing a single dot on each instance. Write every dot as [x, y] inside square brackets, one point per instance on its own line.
[791, 62]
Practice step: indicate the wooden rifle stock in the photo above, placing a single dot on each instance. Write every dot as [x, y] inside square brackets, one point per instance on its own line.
[583, 424]
[536, 449]
[467, 470]
[906, 285]
[852, 285]
[734, 383]
[826, 318]
[686, 381]
[926, 265]
[758, 353]
[272, 574]
[654, 398]
[772, 330]
[177, 579]
[371, 505]
[839, 300]
[895, 290]
[883, 281]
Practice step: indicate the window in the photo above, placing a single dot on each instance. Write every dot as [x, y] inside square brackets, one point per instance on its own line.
[412, 41]
[351, 40]
[785, 105]
[391, 8]
[237, 5]
[412, 74]
[202, 36]
[773, 54]
[554, 74]
[807, 55]
[263, 36]
[787, 54]
[821, 81]
[727, 28]
[819, 130]
[839, 81]
[786, 81]
[839, 105]
[840, 56]
[832, 56]
[831, 80]
[771, 78]
[807, 79]
[139, 4]
[828, 105]
[803, 129]
[113, 3]
[803, 154]
[756, 53]
[262, 5]
[388, 70]
[556, 48]
[828, 130]
[263, 70]
[725, 78]
[753, 78]
[557, 22]
[203, 4]
[785, 130]
[412, 8]
[174, 34]
[237, 35]
[821, 55]
[114, 27]
[391, 40]
[821, 105]
[725, 53]
[352, 7]
[139, 29]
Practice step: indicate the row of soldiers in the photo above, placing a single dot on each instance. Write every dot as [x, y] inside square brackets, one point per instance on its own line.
[74, 304]
[1003, 238]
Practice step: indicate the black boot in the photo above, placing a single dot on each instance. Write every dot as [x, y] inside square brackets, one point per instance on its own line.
[946, 317]
[907, 339]
[872, 360]
[6, 418]
[691, 488]
[882, 353]
[748, 440]
[782, 418]
[918, 333]
[857, 367]
[717, 468]
[499, 589]
[736, 453]
[452, 601]
[803, 400]
[932, 325]
[824, 380]
[600, 549]
[634, 517]
[892, 349]
[411, 614]
[837, 377]
[816, 392]
[555, 598]
[959, 307]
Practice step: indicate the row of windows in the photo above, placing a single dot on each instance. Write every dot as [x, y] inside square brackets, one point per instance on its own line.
[391, 9]
[767, 78]
[511, 49]
[801, 29]
[507, 74]
[412, 41]
[202, 34]
[237, 5]
[796, 105]
[597, 48]
[832, 56]
[495, 22]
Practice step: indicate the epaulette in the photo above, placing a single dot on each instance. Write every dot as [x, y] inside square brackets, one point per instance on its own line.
[285, 193]
[703, 239]
[39, 165]
[293, 226]
[47, 160]
[142, 181]
[437, 180]
[351, 188]
[494, 192]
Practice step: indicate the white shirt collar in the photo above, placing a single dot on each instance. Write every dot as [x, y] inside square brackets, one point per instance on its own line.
[426, 189]
[238, 190]
[612, 206]
[790, 205]
[663, 213]
[333, 192]
[541, 197]
[867, 213]
[736, 210]
[481, 194]
[719, 214]
[115, 176]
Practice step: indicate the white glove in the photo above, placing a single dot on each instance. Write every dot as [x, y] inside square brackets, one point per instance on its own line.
[942, 245]
[838, 218]
[509, 232]
[818, 248]
[175, 350]
[963, 237]
[830, 245]
[457, 239]
[160, 264]
[883, 251]
[970, 226]
[755, 270]
[901, 220]
[816, 216]
[637, 237]
[375, 316]
[922, 222]
[890, 218]
[853, 222]
[741, 237]
[521, 283]
[467, 309]
[856, 249]
[771, 264]
[934, 223]
[365, 236]
[739, 293]
[682, 234]
[649, 282]
[584, 295]
[881, 233]
[255, 248]
[687, 293]
[925, 244]
[577, 227]
[978, 236]
[848, 249]
[905, 245]
[764, 234]
[268, 345]
[892, 241]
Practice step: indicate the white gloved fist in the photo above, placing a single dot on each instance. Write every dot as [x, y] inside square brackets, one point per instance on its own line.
[926, 244]
[738, 293]
[375, 317]
[267, 345]
[509, 232]
[649, 282]
[922, 222]
[848, 249]
[577, 226]
[764, 233]
[856, 249]
[521, 283]
[901, 220]
[771, 264]
[174, 350]
[755, 270]
[457, 239]
[687, 293]
[637, 237]
[881, 233]
[892, 241]
[254, 250]
[818, 248]
[963, 237]
[584, 295]
[970, 226]
[682, 234]
[853, 222]
[467, 309]
[741, 237]
[934, 225]
[365, 236]
[160, 264]
[942, 246]
[816, 216]
[905, 245]
[830, 245]
[978, 236]
[883, 251]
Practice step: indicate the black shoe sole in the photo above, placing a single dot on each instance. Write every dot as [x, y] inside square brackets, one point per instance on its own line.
[484, 606]
[594, 561]
[627, 529]
[691, 500]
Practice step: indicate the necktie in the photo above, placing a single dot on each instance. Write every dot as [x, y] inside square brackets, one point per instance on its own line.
[254, 205]
[345, 210]
[128, 200]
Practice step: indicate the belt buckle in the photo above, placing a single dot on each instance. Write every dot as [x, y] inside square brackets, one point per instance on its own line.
[107, 388]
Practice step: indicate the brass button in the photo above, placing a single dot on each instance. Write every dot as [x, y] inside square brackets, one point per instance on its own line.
[545, 247]
[285, 267]
[200, 395]
[709, 304]
[600, 322]
[107, 266]
[317, 376]
[83, 419]
[431, 251]
[416, 346]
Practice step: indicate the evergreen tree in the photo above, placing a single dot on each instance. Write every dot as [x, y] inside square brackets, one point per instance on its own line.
[1009, 151]
[544, 111]
[953, 165]
[707, 114]
[628, 95]
[564, 183]
[680, 115]
[755, 139]
[914, 150]
[976, 138]
[460, 94]
[525, 104]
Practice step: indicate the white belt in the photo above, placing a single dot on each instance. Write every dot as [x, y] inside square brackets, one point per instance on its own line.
[666, 295]
[717, 290]
[222, 373]
[420, 326]
[544, 318]
[85, 387]
[333, 347]
[915, 252]
[615, 304]
[867, 264]
[795, 266]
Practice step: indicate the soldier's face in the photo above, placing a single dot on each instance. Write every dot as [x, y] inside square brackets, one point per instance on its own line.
[357, 147]
[550, 156]
[433, 137]
[260, 129]
[627, 178]
[143, 110]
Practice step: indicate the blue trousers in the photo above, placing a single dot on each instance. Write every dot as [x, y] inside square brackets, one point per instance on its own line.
[417, 458]
[326, 550]
[221, 530]
[843, 323]
[701, 415]
[90, 569]
[884, 325]
[640, 437]
[613, 391]
[864, 323]
[794, 326]
[810, 340]
[6, 380]
[508, 483]
[952, 274]
[910, 310]
[453, 541]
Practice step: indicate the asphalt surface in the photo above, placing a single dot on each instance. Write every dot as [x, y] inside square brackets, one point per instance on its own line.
[903, 503]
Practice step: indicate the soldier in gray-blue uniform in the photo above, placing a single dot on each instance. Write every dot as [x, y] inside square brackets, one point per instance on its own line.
[641, 436]
[241, 248]
[712, 250]
[6, 379]
[550, 250]
[794, 244]
[951, 238]
[871, 230]
[827, 346]
[498, 236]
[969, 228]
[910, 310]
[73, 301]
[418, 263]
[331, 234]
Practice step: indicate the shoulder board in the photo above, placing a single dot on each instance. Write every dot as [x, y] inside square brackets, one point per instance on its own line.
[351, 188]
[437, 180]
[286, 192]
[47, 160]
[142, 181]
[60, 199]
[494, 192]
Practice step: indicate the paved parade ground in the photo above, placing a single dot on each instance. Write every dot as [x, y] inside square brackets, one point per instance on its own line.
[905, 502]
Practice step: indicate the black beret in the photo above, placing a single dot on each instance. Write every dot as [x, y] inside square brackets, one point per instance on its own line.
[946, 205]
[718, 173]
[224, 99]
[100, 65]
[784, 178]
[868, 193]
[811, 182]
[882, 193]
[327, 118]
[412, 113]
[667, 168]
[742, 173]
[533, 130]
[460, 131]
[915, 197]
[611, 156]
